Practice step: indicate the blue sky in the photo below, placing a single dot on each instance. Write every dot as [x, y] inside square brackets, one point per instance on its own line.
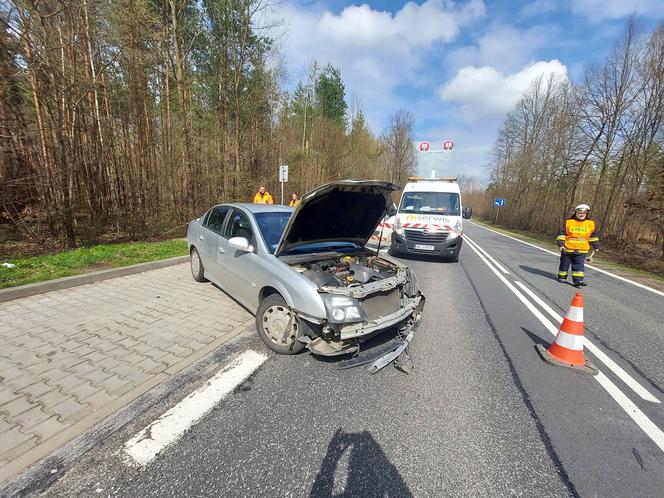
[458, 66]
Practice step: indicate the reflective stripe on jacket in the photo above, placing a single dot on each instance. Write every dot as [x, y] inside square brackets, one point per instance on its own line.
[578, 236]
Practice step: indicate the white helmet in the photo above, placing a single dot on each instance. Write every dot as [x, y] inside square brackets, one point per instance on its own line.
[582, 207]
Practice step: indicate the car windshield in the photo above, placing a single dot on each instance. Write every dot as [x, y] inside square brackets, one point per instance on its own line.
[431, 202]
[272, 225]
[312, 247]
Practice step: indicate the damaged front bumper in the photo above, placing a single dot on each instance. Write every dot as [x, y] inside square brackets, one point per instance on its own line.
[381, 357]
[407, 320]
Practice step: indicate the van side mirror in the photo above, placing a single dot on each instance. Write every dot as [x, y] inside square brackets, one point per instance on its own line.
[467, 213]
[392, 210]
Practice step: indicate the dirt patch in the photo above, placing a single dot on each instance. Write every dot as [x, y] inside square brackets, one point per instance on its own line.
[96, 267]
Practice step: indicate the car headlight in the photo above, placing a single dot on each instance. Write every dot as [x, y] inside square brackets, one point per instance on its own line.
[398, 228]
[455, 232]
[342, 309]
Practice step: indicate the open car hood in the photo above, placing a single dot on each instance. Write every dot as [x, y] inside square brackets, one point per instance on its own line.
[342, 211]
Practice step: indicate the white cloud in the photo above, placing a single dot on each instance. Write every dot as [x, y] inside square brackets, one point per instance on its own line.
[538, 8]
[598, 10]
[505, 47]
[485, 91]
[375, 50]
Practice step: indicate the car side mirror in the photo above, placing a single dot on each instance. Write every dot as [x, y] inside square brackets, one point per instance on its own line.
[392, 210]
[467, 213]
[241, 244]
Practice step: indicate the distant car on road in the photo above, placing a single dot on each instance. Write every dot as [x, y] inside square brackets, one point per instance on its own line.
[305, 272]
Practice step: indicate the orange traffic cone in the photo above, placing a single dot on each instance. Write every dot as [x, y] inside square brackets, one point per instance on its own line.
[567, 349]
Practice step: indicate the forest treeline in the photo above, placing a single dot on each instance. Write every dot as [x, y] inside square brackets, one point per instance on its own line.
[600, 142]
[126, 118]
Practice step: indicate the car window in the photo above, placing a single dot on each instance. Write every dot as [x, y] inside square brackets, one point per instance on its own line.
[215, 220]
[239, 226]
[271, 226]
[430, 202]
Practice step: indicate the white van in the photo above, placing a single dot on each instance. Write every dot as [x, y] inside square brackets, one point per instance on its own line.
[429, 218]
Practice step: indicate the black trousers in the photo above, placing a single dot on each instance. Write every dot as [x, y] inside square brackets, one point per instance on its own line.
[578, 265]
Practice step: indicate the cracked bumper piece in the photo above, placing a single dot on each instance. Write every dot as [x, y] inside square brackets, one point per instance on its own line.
[356, 330]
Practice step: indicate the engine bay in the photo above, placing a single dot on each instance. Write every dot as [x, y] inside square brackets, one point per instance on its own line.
[347, 271]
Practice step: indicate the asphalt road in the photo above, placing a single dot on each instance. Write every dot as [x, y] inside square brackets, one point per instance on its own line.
[480, 415]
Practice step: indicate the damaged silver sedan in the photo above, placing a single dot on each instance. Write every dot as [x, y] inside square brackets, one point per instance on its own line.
[307, 274]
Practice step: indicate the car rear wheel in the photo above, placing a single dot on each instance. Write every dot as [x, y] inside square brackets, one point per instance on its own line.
[197, 270]
[277, 327]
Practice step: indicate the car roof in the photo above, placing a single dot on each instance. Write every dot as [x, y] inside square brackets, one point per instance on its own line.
[259, 208]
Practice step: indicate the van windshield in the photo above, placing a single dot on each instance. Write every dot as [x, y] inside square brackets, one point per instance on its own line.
[446, 203]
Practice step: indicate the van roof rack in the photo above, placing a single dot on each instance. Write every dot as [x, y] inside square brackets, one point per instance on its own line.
[450, 179]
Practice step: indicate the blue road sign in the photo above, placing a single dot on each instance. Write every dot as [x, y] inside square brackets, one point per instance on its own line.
[499, 202]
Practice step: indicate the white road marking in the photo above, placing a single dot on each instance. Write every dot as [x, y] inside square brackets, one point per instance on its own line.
[599, 354]
[557, 254]
[148, 443]
[498, 265]
[640, 418]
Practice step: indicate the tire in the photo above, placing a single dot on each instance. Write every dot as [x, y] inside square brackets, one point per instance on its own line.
[272, 319]
[197, 270]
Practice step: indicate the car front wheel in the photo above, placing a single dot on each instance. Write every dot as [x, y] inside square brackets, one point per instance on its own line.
[277, 327]
[197, 270]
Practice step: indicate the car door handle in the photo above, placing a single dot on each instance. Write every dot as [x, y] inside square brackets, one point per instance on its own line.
[221, 250]
[200, 237]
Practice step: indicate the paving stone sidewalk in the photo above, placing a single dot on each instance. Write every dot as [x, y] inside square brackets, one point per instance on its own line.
[70, 358]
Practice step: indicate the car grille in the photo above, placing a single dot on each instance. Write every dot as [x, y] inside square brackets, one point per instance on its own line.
[381, 304]
[419, 236]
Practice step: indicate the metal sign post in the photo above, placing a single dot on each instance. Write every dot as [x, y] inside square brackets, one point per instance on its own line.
[283, 178]
[498, 202]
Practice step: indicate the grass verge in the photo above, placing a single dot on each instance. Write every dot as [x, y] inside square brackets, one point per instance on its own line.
[31, 269]
[603, 259]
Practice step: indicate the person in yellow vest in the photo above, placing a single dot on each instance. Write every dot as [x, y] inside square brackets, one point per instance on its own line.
[294, 200]
[576, 239]
[263, 197]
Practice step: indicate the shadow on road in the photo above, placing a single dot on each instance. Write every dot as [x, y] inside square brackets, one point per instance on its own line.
[537, 271]
[535, 338]
[424, 258]
[368, 473]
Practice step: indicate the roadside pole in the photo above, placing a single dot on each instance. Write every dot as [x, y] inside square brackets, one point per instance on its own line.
[498, 202]
[283, 178]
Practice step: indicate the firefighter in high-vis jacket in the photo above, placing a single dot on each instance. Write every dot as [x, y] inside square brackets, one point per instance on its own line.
[576, 239]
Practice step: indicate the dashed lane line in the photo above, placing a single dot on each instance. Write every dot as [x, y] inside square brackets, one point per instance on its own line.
[148, 443]
[633, 411]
